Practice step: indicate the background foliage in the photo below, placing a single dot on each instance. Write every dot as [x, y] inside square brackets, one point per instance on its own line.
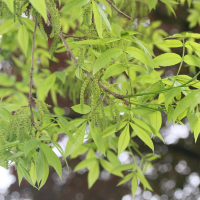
[117, 71]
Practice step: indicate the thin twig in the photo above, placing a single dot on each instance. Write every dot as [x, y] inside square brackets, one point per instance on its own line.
[119, 11]
[31, 73]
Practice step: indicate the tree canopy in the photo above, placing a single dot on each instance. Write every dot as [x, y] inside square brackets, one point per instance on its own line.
[112, 74]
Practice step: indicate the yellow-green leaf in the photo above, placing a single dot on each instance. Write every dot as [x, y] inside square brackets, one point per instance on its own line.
[143, 135]
[197, 130]
[123, 140]
[7, 26]
[167, 59]
[106, 57]
[23, 38]
[97, 19]
[40, 6]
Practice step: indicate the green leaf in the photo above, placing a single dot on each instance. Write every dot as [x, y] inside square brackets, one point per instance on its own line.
[93, 173]
[191, 100]
[141, 56]
[16, 155]
[170, 95]
[107, 5]
[122, 168]
[30, 145]
[170, 43]
[7, 26]
[40, 6]
[142, 135]
[40, 166]
[81, 109]
[109, 167]
[192, 60]
[156, 120]
[46, 173]
[99, 141]
[97, 41]
[125, 179]
[84, 164]
[152, 4]
[197, 130]
[103, 16]
[19, 174]
[143, 180]
[26, 174]
[32, 172]
[61, 76]
[114, 70]
[105, 58]
[74, 4]
[167, 59]
[23, 38]
[78, 137]
[112, 129]
[45, 86]
[31, 25]
[52, 158]
[192, 118]
[113, 158]
[9, 3]
[5, 114]
[97, 19]
[78, 73]
[124, 139]
[134, 185]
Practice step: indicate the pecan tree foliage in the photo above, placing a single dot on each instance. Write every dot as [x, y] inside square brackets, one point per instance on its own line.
[114, 73]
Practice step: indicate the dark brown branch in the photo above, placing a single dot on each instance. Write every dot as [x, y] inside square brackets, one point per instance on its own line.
[31, 73]
[119, 11]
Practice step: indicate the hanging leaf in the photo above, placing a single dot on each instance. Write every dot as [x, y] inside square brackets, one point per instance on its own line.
[156, 120]
[126, 178]
[78, 137]
[197, 130]
[99, 141]
[124, 139]
[84, 164]
[134, 185]
[142, 135]
[52, 158]
[93, 174]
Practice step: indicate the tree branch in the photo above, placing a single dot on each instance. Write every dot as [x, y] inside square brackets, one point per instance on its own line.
[118, 96]
[119, 11]
[31, 73]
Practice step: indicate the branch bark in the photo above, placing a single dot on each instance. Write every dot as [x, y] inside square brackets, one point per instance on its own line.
[119, 11]
[31, 73]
